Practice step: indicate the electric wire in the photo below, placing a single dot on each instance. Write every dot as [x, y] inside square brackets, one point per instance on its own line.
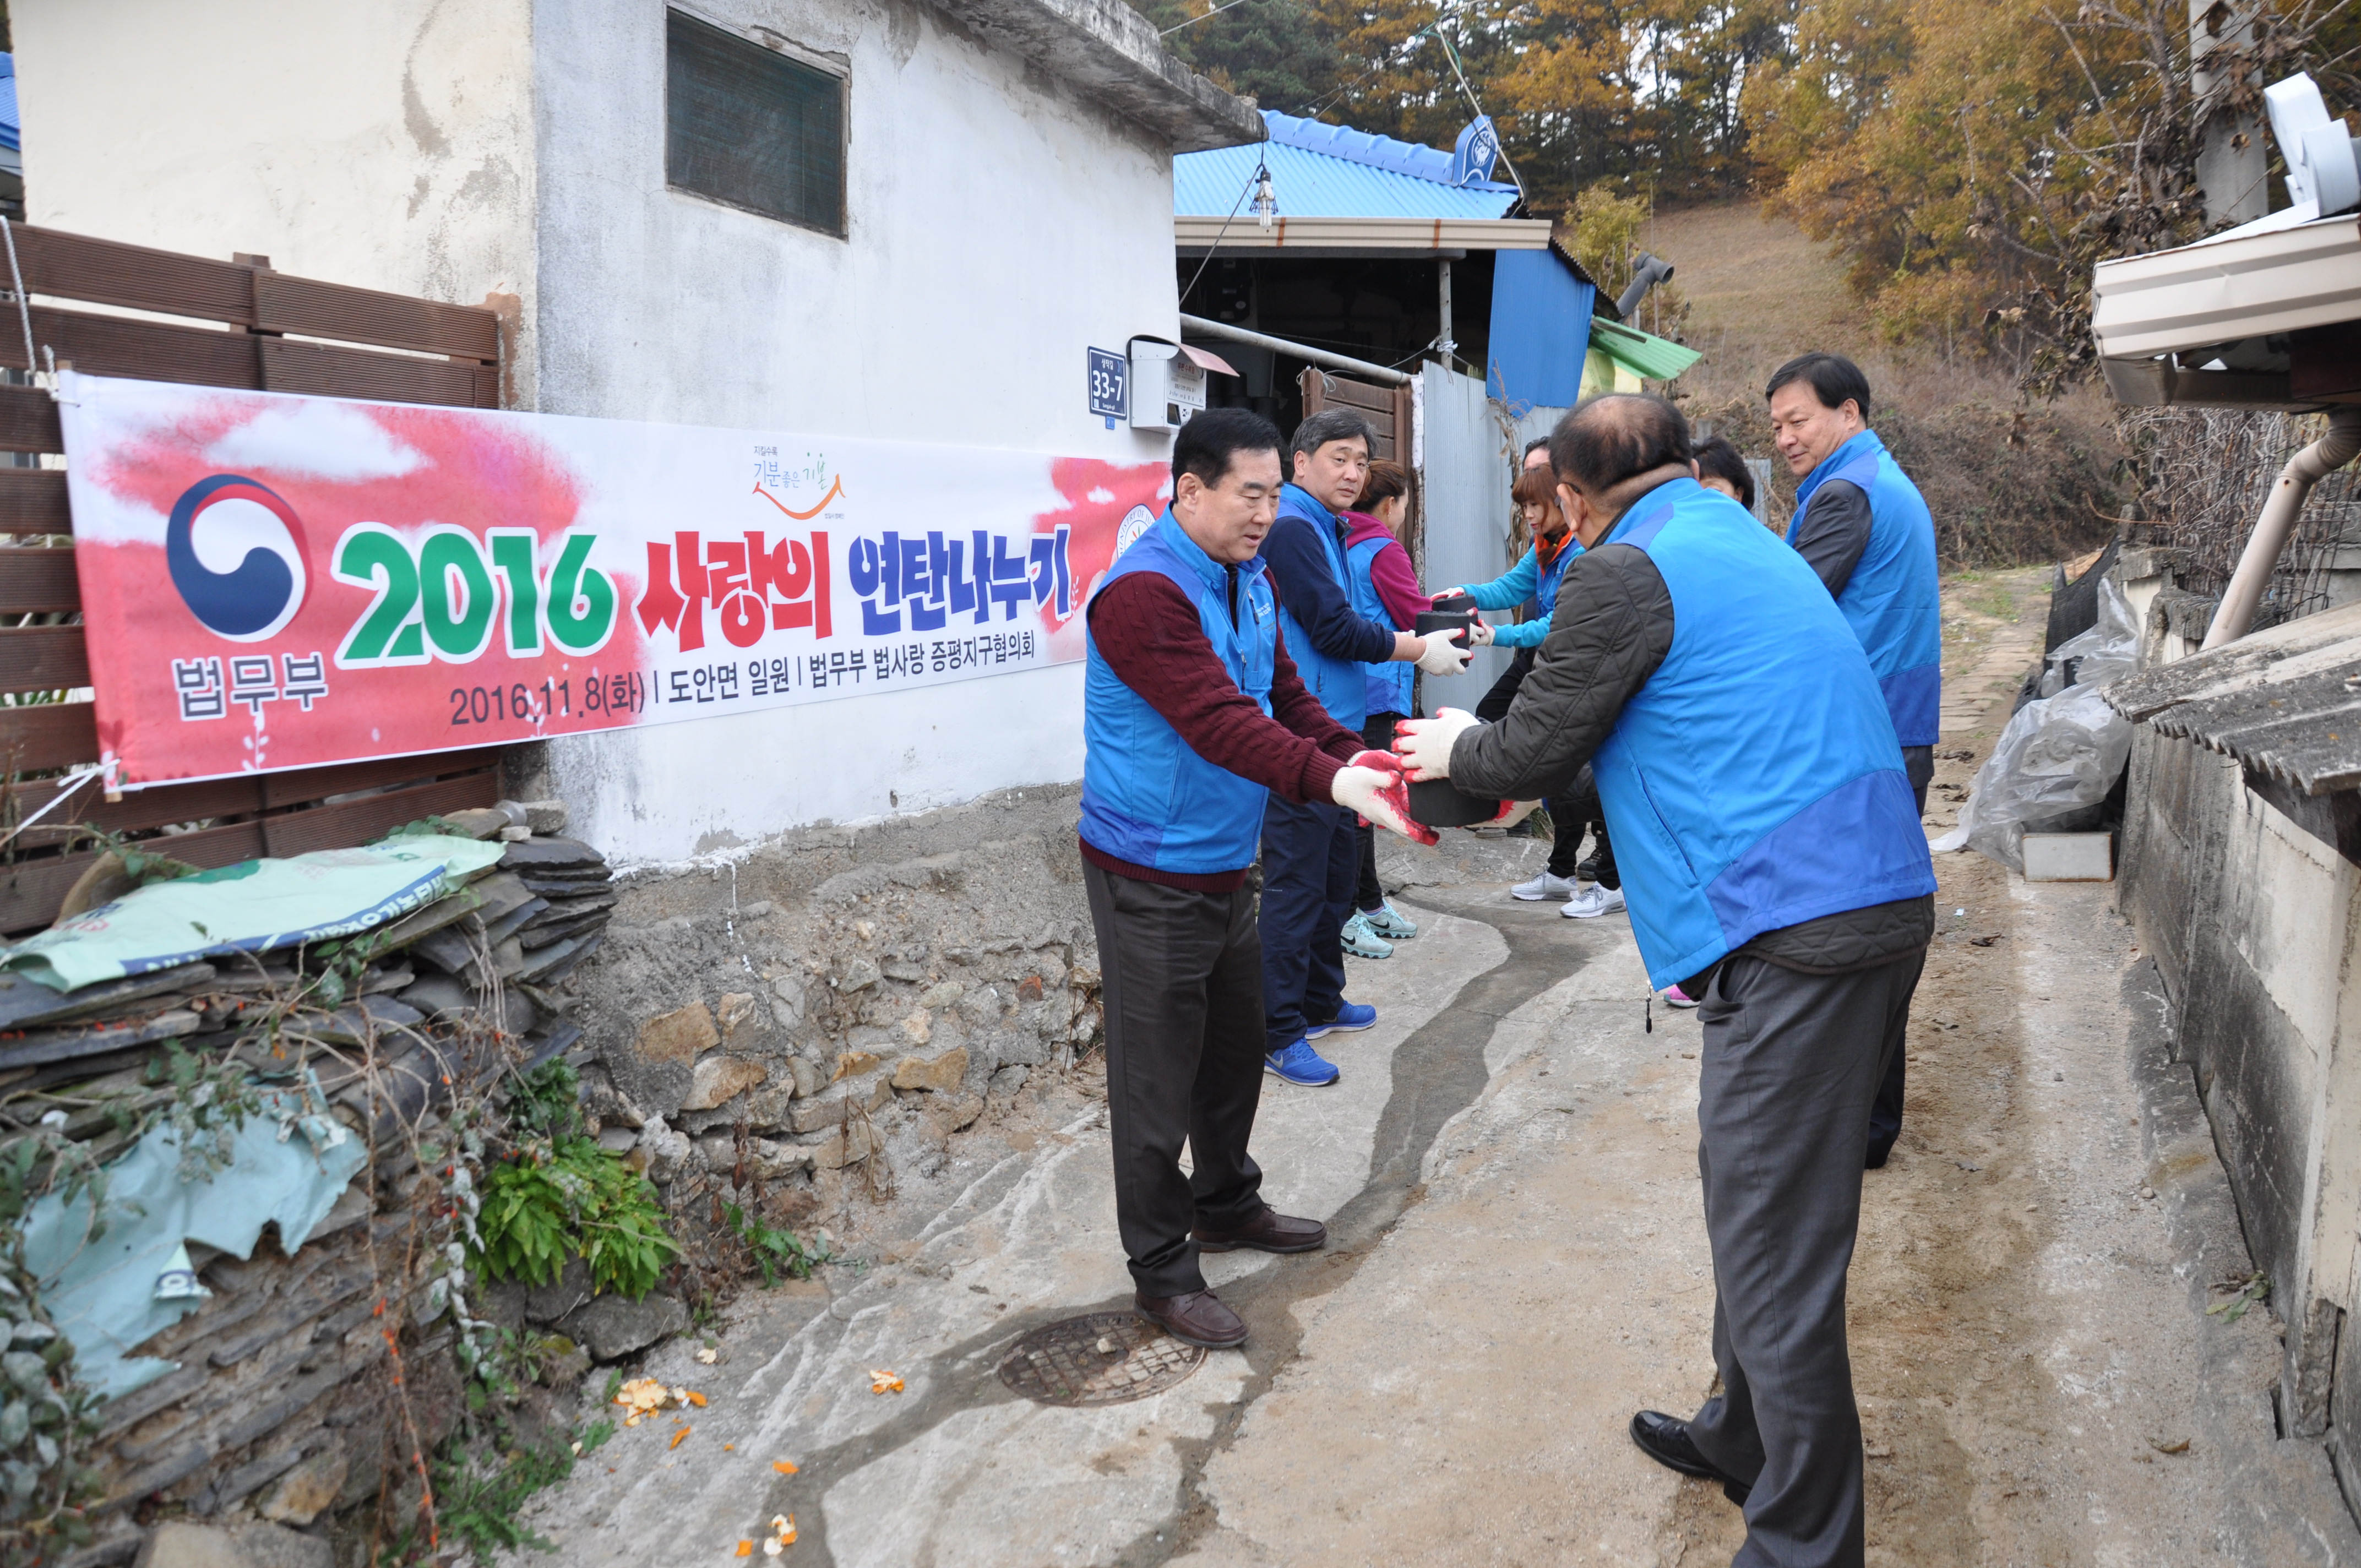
[1260, 174]
[1192, 21]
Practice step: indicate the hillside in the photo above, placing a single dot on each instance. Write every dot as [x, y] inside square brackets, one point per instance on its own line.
[2009, 483]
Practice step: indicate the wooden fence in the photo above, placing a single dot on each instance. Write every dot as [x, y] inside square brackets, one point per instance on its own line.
[240, 324]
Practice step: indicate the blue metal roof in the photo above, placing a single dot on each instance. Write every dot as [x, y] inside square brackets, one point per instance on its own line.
[11, 134]
[1321, 170]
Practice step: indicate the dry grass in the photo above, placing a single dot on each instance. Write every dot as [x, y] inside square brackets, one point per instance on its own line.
[2008, 484]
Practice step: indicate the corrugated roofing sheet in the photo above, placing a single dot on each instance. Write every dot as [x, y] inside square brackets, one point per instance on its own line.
[11, 134]
[2285, 701]
[1333, 171]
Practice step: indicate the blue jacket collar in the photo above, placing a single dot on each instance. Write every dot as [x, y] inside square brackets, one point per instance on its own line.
[1865, 445]
[1207, 569]
[1650, 508]
[1308, 500]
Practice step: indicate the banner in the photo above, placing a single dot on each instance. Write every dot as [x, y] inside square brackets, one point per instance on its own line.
[272, 581]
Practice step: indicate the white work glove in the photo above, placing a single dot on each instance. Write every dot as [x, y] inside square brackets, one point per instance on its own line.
[1371, 786]
[1515, 811]
[1482, 634]
[1424, 744]
[1443, 655]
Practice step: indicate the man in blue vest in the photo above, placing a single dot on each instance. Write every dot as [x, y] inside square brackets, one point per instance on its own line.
[1862, 527]
[1194, 716]
[1311, 855]
[1777, 871]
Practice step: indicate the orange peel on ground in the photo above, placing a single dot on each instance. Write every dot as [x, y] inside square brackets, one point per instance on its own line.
[881, 1381]
[745, 1549]
[678, 1435]
[783, 1466]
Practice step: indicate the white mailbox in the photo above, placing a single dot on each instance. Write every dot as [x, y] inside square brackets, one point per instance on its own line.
[1168, 381]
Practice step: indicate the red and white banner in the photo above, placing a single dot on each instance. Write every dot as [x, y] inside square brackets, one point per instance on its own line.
[277, 582]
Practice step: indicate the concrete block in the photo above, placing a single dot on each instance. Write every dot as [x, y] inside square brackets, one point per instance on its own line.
[2069, 857]
[943, 1073]
[825, 1110]
[300, 1495]
[180, 1544]
[611, 1327]
[719, 1078]
[741, 1021]
[849, 1145]
[679, 1036]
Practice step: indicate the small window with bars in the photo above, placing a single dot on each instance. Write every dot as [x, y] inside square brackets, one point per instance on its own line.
[751, 127]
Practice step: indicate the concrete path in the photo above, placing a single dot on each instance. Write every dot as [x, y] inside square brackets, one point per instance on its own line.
[1519, 1262]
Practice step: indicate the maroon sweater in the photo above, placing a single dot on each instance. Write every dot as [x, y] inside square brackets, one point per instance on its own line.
[1146, 631]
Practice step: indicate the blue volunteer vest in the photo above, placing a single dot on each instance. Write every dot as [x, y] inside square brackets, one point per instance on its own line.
[1754, 782]
[1341, 684]
[1147, 797]
[1387, 686]
[1893, 600]
[1545, 588]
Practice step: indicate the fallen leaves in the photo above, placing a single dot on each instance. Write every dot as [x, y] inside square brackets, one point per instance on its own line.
[708, 1355]
[881, 1381]
[2174, 1445]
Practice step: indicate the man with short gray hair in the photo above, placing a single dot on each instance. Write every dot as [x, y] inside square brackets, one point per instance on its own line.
[1311, 855]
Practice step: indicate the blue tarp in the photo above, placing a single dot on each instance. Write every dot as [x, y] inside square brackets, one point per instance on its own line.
[1541, 329]
[288, 1164]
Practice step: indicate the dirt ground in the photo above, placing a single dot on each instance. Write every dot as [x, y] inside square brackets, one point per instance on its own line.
[1518, 1261]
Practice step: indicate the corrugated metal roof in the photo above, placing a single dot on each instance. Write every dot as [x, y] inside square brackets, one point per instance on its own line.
[11, 134]
[2285, 702]
[1333, 171]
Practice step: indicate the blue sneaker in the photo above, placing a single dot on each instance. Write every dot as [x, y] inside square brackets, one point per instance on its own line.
[1391, 923]
[1351, 1019]
[1302, 1066]
[1358, 940]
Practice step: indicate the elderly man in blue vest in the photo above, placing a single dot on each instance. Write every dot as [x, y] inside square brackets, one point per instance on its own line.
[1194, 716]
[1862, 527]
[1311, 855]
[1775, 869]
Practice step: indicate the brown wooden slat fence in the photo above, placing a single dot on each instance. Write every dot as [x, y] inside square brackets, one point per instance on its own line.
[243, 325]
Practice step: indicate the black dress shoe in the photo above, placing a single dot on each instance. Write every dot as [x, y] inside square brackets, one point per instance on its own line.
[1665, 1439]
[1269, 1230]
[1197, 1318]
[1877, 1156]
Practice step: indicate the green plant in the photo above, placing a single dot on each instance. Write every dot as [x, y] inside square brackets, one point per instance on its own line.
[557, 1200]
[775, 1249]
[2252, 1290]
[547, 1101]
[480, 1505]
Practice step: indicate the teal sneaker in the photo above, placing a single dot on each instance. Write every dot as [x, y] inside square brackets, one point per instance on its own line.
[1387, 921]
[1362, 942]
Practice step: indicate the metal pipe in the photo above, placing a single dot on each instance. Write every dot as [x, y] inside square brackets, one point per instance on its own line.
[2261, 556]
[1205, 328]
[1442, 339]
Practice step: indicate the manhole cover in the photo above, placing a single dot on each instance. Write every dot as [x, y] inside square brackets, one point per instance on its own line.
[1104, 1359]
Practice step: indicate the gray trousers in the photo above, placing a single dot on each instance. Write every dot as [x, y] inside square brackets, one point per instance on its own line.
[1791, 1063]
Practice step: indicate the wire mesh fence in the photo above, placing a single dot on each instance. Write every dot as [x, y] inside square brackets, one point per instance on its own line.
[2205, 474]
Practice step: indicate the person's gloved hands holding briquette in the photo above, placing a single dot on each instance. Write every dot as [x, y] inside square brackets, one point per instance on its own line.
[1443, 653]
[1424, 744]
[1371, 786]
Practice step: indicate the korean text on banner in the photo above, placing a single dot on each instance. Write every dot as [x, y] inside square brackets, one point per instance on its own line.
[273, 581]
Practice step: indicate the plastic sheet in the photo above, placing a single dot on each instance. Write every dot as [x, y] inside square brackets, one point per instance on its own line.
[253, 907]
[288, 1166]
[2061, 753]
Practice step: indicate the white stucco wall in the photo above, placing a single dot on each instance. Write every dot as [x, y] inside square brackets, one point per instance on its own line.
[999, 224]
[386, 145]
